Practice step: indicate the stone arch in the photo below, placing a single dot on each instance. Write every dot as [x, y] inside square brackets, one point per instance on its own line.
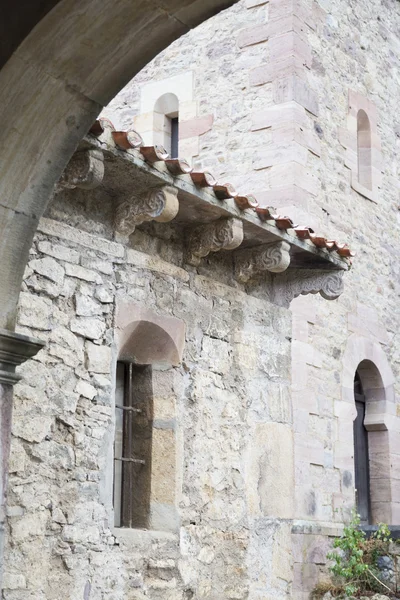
[52, 88]
[367, 357]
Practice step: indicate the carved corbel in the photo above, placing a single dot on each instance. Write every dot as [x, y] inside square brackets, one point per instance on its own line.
[85, 170]
[159, 204]
[225, 234]
[296, 282]
[269, 257]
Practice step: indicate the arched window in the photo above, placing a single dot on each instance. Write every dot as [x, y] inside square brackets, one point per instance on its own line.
[166, 122]
[361, 456]
[364, 155]
[145, 457]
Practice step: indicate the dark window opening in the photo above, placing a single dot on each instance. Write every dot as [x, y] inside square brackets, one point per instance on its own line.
[361, 456]
[133, 446]
[174, 137]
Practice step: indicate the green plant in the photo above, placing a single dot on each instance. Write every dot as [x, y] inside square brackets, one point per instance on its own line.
[355, 563]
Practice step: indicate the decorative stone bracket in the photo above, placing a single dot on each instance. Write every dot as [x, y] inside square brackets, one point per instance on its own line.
[269, 257]
[14, 350]
[295, 282]
[225, 234]
[85, 170]
[159, 204]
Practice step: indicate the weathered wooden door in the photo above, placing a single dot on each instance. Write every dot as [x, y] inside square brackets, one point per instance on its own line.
[361, 456]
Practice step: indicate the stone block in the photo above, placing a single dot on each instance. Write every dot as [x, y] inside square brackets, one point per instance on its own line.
[294, 88]
[82, 273]
[34, 311]
[270, 71]
[98, 358]
[293, 174]
[58, 251]
[269, 487]
[195, 127]
[276, 116]
[49, 268]
[88, 327]
[290, 44]
[280, 153]
[86, 390]
[82, 238]
[163, 467]
[253, 35]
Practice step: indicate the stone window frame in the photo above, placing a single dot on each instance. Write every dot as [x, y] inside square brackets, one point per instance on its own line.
[361, 135]
[160, 100]
[368, 358]
[143, 337]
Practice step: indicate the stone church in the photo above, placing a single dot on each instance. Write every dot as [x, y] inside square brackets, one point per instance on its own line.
[211, 303]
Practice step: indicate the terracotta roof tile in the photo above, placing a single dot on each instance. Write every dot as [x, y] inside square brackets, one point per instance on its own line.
[179, 166]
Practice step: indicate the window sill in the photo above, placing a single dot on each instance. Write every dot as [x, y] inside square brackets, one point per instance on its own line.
[133, 537]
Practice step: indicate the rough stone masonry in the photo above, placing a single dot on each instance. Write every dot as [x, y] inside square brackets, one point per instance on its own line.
[262, 400]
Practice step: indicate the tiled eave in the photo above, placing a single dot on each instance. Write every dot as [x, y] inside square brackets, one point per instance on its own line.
[126, 171]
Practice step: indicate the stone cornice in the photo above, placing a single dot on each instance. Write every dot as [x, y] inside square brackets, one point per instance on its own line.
[14, 350]
[197, 204]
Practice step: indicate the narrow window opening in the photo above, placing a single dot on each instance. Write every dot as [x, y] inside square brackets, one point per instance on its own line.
[364, 151]
[133, 445]
[174, 137]
[361, 456]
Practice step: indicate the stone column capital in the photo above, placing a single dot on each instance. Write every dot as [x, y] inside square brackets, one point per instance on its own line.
[14, 350]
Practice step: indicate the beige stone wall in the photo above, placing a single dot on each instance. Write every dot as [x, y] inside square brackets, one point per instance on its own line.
[233, 423]
[277, 79]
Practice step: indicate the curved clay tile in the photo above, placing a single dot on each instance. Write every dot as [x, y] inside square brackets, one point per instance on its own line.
[318, 240]
[178, 166]
[203, 179]
[125, 140]
[266, 213]
[303, 233]
[224, 191]
[284, 223]
[244, 202]
[100, 125]
[154, 154]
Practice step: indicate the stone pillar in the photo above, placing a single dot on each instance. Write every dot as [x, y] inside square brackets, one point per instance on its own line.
[14, 350]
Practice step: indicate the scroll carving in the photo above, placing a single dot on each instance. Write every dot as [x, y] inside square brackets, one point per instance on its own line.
[85, 170]
[159, 204]
[296, 282]
[269, 257]
[225, 234]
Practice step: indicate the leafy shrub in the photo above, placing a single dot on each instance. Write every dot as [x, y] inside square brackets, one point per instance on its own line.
[355, 563]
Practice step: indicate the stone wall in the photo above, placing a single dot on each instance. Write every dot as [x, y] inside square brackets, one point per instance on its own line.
[277, 79]
[231, 397]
